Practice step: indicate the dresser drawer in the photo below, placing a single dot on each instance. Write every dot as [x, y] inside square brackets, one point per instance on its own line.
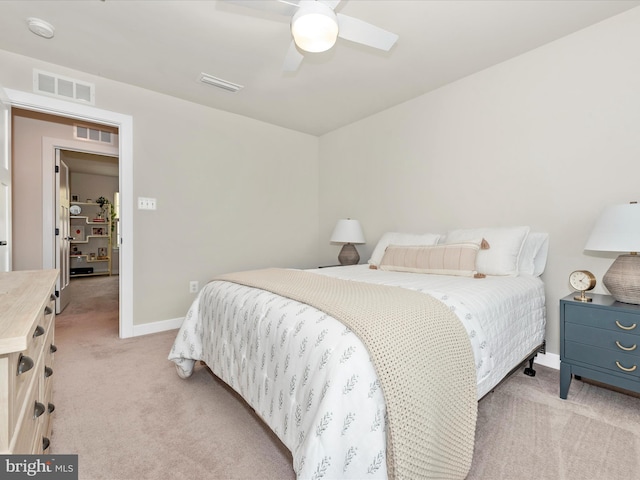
[48, 401]
[29, 421]
[24, 362]
[608, 319]
[618, 342]
[48, 354]
[622, 364]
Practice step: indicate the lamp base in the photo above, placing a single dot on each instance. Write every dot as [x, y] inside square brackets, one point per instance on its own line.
[623, 279]
[348, 255]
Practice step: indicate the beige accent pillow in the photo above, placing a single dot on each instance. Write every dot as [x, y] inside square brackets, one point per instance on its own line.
[398, 238]
[449, 259]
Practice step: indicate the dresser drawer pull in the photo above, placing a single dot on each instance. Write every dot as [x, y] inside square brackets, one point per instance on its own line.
[632, 369]
[51, 408]
[24, 364]
[48, 371]
[624, 327]
[39, 331]
[52, 298]
[53, 348]
[48, 310]
[38, 410]
[45, 443]
[628, 349]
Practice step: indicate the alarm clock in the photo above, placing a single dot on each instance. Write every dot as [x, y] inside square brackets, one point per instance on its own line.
[582, 281]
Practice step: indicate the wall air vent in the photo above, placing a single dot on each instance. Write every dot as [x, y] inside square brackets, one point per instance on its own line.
[63, 87]
[93, 134]
[218, 82]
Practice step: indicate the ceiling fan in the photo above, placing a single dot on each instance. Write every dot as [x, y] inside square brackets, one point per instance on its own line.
[315, 27]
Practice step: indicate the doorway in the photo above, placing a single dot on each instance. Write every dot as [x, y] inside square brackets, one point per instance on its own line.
[124, 124]
[83, 179]
[52, 143]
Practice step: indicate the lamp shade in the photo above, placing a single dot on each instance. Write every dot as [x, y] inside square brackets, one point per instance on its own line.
[314, 27]
[347, 231]
[617, 230]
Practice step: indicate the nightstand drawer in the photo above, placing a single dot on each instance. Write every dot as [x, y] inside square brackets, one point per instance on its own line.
[618, 342]
[597, 317]
[620, 363]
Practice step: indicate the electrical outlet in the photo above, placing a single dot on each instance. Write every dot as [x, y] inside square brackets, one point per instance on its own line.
[193, 286]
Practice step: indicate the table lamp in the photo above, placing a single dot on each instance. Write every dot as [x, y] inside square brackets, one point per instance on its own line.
[618, 230]
[348, 232]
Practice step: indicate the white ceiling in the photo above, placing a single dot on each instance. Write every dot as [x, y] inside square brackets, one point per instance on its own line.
[164, 45]
[94, 164]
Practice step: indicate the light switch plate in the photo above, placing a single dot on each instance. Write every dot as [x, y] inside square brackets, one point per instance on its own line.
[145, 203]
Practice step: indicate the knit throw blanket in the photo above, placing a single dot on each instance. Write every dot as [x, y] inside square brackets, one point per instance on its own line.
[422, 356]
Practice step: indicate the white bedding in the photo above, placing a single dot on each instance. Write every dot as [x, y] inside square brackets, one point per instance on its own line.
[311, 379]
[508, 313]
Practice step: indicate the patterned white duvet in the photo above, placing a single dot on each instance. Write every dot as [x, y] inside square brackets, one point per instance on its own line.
[310, 378]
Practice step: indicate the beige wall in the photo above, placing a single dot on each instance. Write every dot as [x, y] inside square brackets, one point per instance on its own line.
[232, 193]
[90, 187]
[27, 192]
[547, 139]
[28, 130]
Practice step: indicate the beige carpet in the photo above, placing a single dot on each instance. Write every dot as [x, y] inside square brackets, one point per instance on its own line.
[121, 407]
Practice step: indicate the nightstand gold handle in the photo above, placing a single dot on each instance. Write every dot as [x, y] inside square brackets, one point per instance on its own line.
[625, 328]
[632, 369]
[628, 349]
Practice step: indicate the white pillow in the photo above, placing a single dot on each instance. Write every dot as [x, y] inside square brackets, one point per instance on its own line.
[533, 257]
[505, 244]
[395, 238]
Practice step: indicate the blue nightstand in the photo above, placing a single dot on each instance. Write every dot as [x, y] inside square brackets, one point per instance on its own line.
[599, 340]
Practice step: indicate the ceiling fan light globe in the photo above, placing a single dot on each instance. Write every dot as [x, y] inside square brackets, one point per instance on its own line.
[315, 29]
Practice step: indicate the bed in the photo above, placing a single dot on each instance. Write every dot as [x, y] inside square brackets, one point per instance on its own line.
[311, 379]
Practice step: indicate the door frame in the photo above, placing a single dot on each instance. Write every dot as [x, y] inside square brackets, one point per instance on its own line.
[62, 241]
[50, 188]
[6, 166]
[124, 123]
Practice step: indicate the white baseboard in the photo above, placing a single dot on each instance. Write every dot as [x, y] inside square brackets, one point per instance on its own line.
[551, 360]
[156, 327]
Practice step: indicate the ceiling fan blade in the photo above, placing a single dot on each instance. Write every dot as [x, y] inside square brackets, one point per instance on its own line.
[362, 32]
[331, 3]
[293, 59]
[280, 7]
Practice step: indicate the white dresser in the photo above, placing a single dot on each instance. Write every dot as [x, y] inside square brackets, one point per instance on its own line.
[27, 323]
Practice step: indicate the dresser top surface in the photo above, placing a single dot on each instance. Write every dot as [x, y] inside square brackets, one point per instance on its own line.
[23, 295]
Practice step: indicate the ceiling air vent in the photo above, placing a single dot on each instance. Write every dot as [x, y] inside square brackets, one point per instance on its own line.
[63, 87]
[220, 83]
[93, 134]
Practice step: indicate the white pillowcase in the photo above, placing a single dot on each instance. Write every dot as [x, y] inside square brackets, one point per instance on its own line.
[396, 238]
[505, 245]
[533, 257]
